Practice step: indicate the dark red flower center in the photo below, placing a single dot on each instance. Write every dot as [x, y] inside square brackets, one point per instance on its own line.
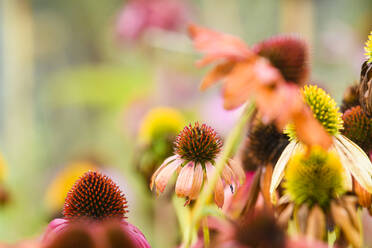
[198, 143]
[95, 196]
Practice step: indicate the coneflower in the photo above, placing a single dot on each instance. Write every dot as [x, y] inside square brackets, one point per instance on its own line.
[93, 200]
[358, 128]
[287, 53]
[196, 148]
[263, 145]
[355, 162]
[158, 128]
[314, 196]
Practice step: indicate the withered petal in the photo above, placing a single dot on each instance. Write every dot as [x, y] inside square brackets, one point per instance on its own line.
[185, 180]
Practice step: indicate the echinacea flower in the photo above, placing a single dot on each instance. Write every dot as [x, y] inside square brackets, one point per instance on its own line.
[358, 127]
[261, 74]
[314, 196]
[93, 200]
[138, 16]
[160, 122]
[355, 162]
[196, 148]
[62, 183]
[263, 145]
[158, 129]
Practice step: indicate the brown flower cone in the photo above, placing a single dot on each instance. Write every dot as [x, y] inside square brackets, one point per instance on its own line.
[341, 218]
[364, 198]
[265, 184]
[316, 224]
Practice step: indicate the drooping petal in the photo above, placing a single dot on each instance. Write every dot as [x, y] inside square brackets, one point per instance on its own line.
[219, 192]
[185, 180]
[165, 174]
[217, 73]
[356, 160]
[228, 175]
[279, 168]
[238, 171]
[217, 45]
[197, 182]
[161, 167]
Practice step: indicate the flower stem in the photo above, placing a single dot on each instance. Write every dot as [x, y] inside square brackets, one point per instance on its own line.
[206, 233]
[206, 193]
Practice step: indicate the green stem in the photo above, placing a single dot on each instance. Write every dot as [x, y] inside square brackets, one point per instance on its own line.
[206, 193]
[206, 233]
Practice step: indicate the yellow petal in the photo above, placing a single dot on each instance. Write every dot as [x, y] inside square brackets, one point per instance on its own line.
[279, 168]
[355, 160]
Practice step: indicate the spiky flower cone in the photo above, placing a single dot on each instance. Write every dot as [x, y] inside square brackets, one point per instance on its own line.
[94, 213]
[358, 127]
[314, 178]
[289, 54]
[95, 196]
[350, 98]
[263, 145]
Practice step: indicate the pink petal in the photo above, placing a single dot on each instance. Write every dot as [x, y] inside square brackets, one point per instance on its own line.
[219, 193]
[165, 174]
[185, 180]
[161, 167]
[54, 227]
[197, 182]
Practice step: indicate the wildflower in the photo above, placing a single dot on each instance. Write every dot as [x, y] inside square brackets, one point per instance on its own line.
[368, 48]
[355, 162]
[314, 178]
[158, 129]
[93, 200]
[314, 189]
[358, 127]
[263, 145]
[196, 148]
[139, 16]
[261, 72]
[62, 183]
[159, 122]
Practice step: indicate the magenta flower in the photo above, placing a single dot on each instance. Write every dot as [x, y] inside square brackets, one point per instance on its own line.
[94, 206]
[138, 16]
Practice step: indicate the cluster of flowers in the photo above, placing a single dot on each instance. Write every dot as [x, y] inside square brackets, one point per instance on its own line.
[298, 179]
[307, 165]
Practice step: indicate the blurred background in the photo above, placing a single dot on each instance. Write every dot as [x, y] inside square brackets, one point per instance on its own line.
[77, 79]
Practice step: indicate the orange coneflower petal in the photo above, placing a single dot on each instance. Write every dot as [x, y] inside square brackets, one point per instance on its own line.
[238, 171]
[217, 73]
[217, 45]
[161, 167]
[219, 193]
[185, 180]
[197, 182]
[228, 175]
[165, 174]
